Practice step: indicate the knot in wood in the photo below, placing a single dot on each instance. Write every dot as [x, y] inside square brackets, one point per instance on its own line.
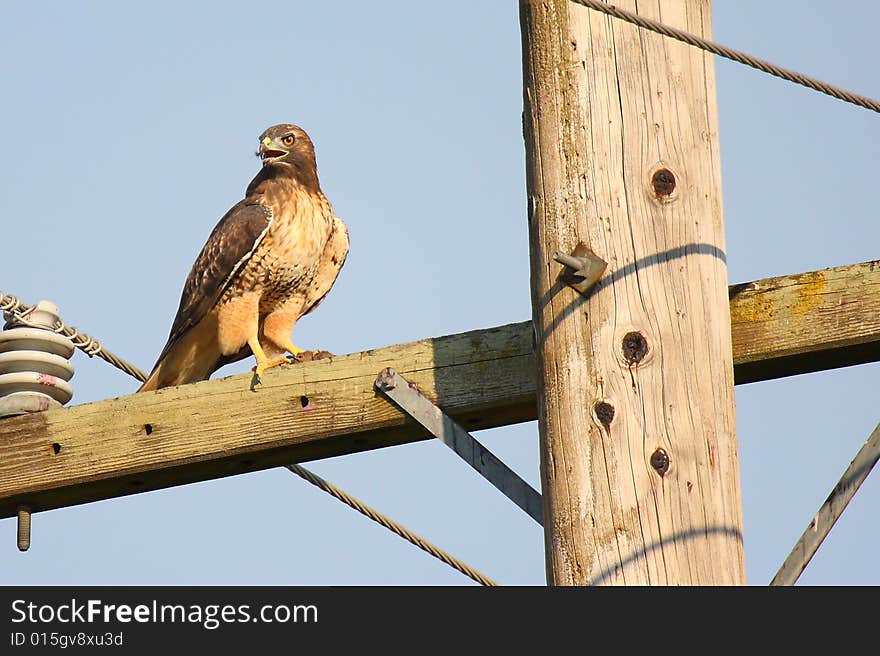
[660, 461]
[635, 347]
[604, 413]
[663, 183]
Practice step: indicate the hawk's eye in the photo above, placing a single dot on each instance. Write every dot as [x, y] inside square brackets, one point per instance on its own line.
[288, 140]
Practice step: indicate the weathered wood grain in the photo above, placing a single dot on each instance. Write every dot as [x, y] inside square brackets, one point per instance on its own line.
[622, 155]
[806, 322]
[217, 428]
[484, 378]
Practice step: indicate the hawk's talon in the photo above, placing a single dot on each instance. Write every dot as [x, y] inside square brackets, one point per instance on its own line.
[265, 365]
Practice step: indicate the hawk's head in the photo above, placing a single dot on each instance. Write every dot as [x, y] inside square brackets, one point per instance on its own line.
[289, 146]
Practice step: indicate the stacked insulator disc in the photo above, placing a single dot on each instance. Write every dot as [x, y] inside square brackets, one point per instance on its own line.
[34, 363]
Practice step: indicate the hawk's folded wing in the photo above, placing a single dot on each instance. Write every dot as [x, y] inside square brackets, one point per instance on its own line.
[231, 244]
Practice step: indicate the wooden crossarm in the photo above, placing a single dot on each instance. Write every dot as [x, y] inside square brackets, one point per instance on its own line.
[484, 378]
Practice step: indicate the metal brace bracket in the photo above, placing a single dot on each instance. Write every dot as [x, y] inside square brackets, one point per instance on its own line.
[819, 528]
[407, 396]
[583, 267]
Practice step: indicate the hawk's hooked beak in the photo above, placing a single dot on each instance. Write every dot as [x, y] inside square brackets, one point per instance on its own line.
[269, 154]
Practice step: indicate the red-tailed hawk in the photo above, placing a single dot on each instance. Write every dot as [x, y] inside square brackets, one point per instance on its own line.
[271, 259]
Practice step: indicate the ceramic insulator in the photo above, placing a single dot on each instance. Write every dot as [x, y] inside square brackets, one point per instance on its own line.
[34, 363]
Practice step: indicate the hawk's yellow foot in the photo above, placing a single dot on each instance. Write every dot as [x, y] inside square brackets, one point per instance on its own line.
[264, 363]
[292, 348]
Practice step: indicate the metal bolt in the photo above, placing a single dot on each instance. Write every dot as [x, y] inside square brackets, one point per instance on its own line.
[660, 461]
[583, 267]
[24, 528]
[385, 379]
[569, 260]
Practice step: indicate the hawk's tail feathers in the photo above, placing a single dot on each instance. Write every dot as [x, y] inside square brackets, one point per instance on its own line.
[150, 384]
[194, 357]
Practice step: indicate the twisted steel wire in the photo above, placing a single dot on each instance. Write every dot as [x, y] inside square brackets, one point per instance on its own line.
[730, 53]
[86, 343]
[378, 517]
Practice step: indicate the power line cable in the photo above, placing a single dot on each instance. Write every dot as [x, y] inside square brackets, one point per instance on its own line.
[86, 343]
[391, 525]
[730, 53]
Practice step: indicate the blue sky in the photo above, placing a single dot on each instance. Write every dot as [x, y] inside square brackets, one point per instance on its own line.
[128, 129]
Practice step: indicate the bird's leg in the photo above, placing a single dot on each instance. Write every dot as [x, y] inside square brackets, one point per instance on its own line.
[277, 328]
[264, 362]
[260, 357]
[291, 348]
[288, 347]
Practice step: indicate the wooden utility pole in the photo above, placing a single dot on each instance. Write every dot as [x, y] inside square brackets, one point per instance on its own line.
[639, 461]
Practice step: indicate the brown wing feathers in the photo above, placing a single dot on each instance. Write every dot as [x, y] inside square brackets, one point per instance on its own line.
[231, 244]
